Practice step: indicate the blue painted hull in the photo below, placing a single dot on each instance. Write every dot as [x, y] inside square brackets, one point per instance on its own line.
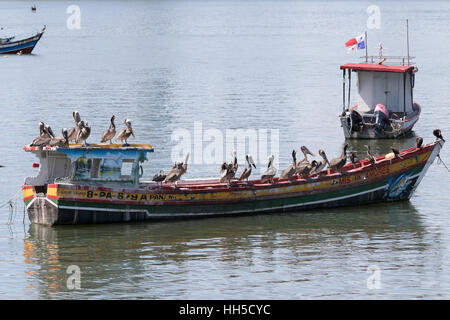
[24, 46]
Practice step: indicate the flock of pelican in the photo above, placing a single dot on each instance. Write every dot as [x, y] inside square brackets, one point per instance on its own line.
[302, 169]
[80, 133]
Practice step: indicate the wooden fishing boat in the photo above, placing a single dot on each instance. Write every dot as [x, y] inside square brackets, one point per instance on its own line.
[102, 183]
[385, 108]
[23, 46]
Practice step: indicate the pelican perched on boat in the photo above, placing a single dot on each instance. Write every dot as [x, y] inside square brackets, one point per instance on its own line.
[161, 175]
[228, 170]
[177, 170]
[83, 134]
[338, 163]
[289, 171]
[73, 133]
[437, 133]
[271, 171]
[396, 152]
[247, 171]
[109, 133]
[370, 156]
[301, 165]
[60, 141]
[353, 158]
[320, 164]
[124, 134]
[307, 169]
[45, 134]
[305, 152]
[419, 142]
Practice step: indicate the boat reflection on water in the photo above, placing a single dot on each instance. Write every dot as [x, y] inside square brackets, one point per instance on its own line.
[157, 260]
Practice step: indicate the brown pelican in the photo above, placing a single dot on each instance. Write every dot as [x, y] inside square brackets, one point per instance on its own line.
[305, 152]
[247, 171]
[235, 162]
[228, 170]
[370, 156]
[45, 134]
[419, 142]
[321, 164]
[110, 132]
[84, 132]
[177, 171]
[308, 169]
[124, 134]
[438, 135]
[271, 171]
[353, 158]
[338, 163]
[73, 133]
[290, 171]
[160, 177]
[396, 152]
[60, 141]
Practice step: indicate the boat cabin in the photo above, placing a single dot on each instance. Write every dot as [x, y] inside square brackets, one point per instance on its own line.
[385, 107]
[391, 86]
[98, 164]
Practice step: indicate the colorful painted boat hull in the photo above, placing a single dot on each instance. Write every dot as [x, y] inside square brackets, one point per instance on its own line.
[391, 180]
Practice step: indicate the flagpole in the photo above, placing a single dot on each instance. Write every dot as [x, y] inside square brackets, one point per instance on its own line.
[407, 40]
[366, 46]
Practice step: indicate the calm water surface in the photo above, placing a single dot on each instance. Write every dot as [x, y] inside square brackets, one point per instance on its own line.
[228, 64]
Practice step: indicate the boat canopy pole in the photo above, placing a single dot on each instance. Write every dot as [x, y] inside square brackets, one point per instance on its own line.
[404, 94]
[343, 90]
[349, 87]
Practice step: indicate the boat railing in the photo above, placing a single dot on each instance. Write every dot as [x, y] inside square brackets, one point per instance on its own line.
[392, 60]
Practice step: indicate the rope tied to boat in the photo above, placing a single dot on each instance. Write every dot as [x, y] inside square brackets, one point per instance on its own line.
[441, 161]
[12, 206]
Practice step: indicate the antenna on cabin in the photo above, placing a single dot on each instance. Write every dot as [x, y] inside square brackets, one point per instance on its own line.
[365, 36]
[407, 40]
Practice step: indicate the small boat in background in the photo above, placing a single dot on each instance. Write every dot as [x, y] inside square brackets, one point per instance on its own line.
[25, 46]
[385, 108]
[33, 8]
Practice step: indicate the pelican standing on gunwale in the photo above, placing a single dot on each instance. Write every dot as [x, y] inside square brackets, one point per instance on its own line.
[124, 134]
[271, 171]
[338, 163]
[320, 164]
[109, 133]
[289, 171]
[177, 171]
[73, 133]
[83, 134]
[45, 135]
[247, 171]
[60, 141]
[370, 156]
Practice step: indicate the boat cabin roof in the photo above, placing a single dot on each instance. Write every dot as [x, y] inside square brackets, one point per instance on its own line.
[95, 163]
[376, 67]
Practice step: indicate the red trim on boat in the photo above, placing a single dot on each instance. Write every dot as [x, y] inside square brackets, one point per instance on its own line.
[376, 67]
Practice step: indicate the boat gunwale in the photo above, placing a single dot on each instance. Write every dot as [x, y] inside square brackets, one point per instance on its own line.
[348, 170]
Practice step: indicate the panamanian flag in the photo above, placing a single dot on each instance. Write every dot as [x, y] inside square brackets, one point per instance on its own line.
[357, 43]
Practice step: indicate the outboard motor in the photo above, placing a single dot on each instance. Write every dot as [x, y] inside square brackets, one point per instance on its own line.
[356, 122]
[381, 119]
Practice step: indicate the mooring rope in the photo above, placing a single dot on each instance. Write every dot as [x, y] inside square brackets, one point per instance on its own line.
[441, 161]
[11, 203]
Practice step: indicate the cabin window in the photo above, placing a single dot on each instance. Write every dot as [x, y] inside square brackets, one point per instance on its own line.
[95, 168]
[126, 169]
